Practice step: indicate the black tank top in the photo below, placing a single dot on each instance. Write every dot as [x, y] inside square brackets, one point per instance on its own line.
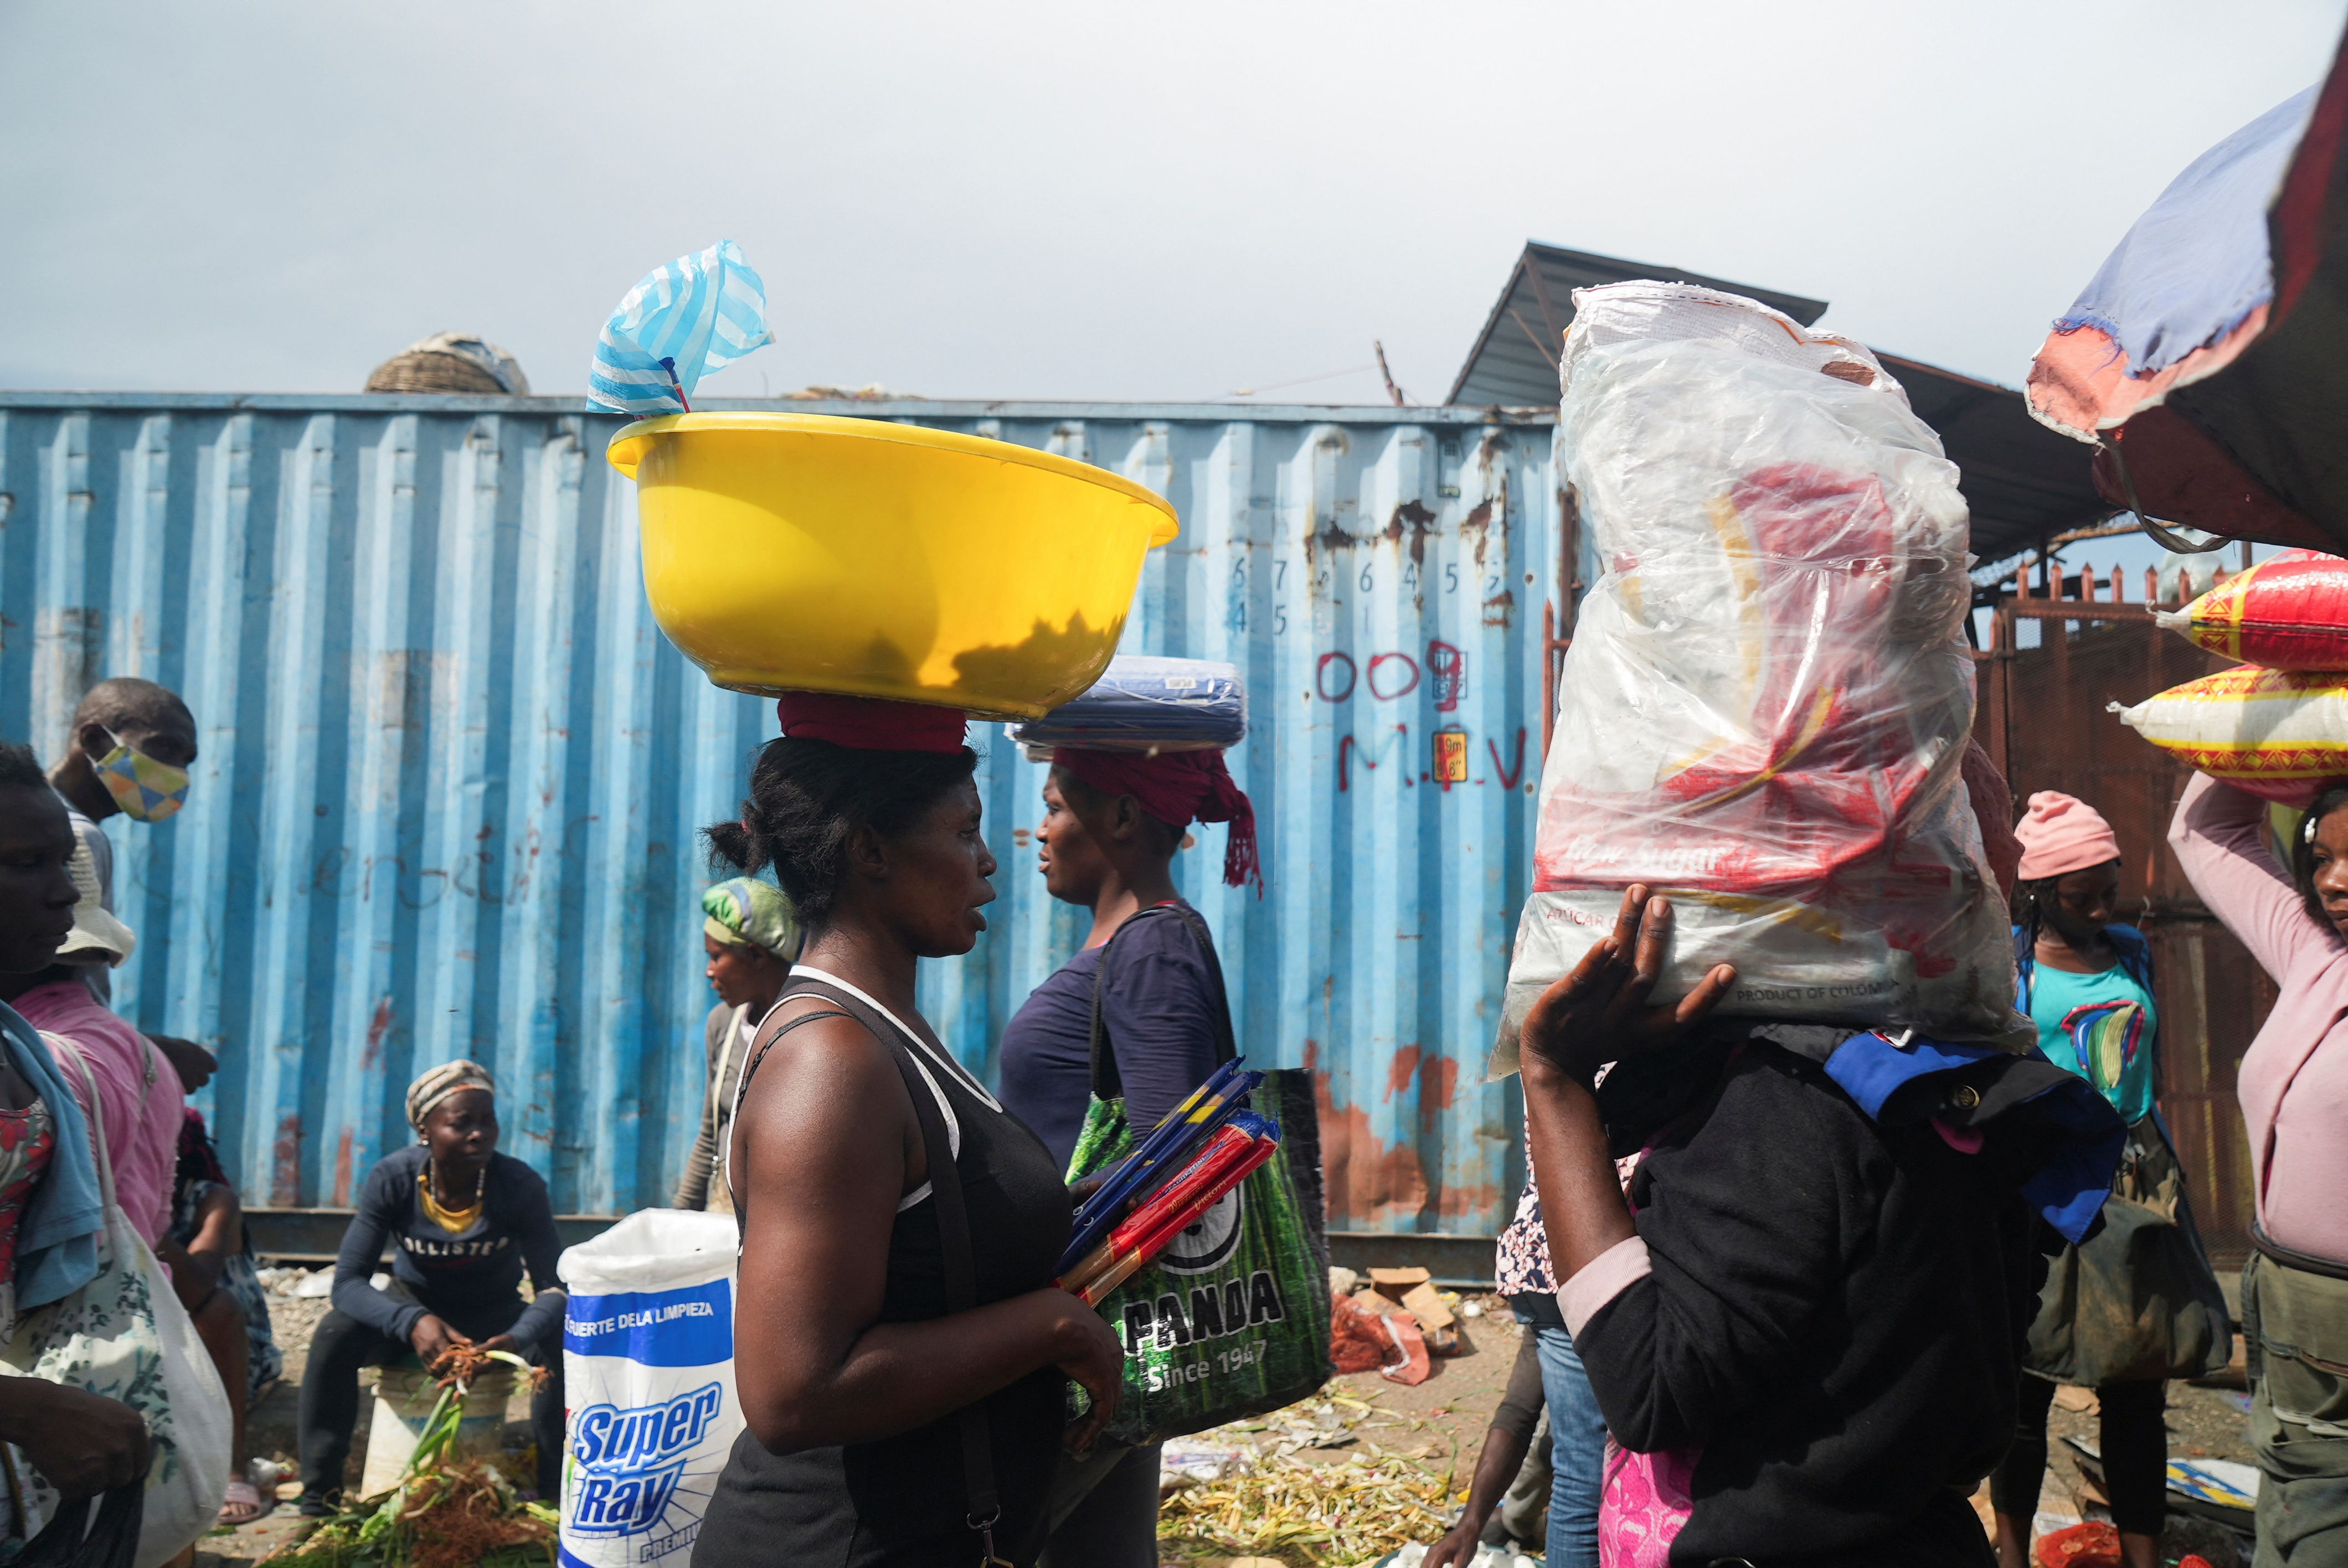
[897, 1501]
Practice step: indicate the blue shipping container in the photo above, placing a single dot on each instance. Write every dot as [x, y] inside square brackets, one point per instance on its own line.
[452, 774]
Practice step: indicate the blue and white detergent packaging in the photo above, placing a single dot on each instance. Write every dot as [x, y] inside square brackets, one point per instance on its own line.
[648, 1368]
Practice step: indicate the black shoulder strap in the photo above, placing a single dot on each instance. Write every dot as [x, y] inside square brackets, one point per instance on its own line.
[1106, 1081]
[953, 1236]
[750, 1069]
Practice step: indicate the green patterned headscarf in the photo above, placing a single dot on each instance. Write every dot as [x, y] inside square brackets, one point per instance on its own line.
[751, 913]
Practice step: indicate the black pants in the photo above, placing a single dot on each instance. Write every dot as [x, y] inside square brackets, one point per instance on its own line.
[330, 1391]
[2134, 1450]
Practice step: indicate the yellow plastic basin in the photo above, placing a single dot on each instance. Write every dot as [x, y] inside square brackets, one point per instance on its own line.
[804, 552]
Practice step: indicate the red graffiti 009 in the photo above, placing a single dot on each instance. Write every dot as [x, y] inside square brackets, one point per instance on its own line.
[1394, 675]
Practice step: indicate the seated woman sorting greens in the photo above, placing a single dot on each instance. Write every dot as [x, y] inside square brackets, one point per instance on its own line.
[1803, 1324]
[466, 1221]
[902, 1355]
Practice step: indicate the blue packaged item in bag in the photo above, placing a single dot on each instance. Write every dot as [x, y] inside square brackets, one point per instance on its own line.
[648, 1368]
[1146, 704]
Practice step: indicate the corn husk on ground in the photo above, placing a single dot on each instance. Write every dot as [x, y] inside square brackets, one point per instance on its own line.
[443, 1512]
[1302, 1501]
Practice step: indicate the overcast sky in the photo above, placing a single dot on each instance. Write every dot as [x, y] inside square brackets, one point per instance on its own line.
[1104, 201]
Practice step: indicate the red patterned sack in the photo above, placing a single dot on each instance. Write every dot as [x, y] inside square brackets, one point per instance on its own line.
[2288, 613]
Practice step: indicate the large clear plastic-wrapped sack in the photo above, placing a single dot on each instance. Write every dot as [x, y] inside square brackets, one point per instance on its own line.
[1766, 705]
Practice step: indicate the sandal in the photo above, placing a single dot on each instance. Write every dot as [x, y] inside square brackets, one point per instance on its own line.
[243, 1505]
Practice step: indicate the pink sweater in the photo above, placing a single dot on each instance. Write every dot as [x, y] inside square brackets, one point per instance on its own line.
[144, 1102]
[2293, 1083]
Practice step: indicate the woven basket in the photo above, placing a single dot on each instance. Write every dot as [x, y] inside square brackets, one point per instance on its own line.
[428, 372]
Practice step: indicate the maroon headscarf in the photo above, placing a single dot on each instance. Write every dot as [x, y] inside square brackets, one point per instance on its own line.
[870, 723]
[1177, 788]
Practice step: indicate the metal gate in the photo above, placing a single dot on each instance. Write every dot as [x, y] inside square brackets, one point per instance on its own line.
[2044, 716]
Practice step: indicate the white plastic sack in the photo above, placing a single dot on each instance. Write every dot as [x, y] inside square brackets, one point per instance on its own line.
[1767, 699]
[648, 1371]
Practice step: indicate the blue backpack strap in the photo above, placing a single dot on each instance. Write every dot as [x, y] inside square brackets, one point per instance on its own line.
[2134, 950]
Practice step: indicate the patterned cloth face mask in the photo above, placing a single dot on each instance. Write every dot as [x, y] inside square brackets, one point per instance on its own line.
[146, 790]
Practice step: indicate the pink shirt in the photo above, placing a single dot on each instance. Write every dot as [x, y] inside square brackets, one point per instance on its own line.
[144, 1104]
[2293, 1083]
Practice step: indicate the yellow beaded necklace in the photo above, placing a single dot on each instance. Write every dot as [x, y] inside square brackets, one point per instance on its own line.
[456, 1222]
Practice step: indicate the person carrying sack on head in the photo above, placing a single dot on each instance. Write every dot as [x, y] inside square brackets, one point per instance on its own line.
[752, 937]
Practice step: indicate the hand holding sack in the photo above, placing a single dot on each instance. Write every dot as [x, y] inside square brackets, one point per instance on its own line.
[1766, 704]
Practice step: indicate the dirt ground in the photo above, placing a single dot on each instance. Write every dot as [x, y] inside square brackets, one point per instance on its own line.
[1430, 1434]
[1443, 1422]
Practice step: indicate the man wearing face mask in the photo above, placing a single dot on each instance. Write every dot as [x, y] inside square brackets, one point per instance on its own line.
[132, 744]
[129, 755]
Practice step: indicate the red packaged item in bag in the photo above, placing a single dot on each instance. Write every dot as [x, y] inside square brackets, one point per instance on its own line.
[2288, 613]
[1766, 707]
[2093, 1545]
[1388, 1344]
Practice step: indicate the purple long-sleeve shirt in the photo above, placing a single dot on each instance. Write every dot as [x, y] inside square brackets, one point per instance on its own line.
[2293, 1082]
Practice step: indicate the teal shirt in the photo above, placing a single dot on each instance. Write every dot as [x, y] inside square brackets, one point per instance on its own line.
[2100, 1027]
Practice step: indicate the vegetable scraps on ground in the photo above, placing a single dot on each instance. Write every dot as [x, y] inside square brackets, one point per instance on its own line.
[442, 1512]
[1280, 1503]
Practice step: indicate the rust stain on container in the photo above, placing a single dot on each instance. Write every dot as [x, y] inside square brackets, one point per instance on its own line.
[343, 1169]
[1402, 1069]
[1419, 522]
[377, 1027]
[285, 1164]
[1366, 1183]
[1478, 525]
[1438, 1086]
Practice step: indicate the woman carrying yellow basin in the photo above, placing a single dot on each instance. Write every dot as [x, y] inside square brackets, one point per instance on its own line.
[902, 1359]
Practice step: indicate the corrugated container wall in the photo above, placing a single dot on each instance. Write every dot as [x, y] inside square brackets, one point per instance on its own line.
[452, 774]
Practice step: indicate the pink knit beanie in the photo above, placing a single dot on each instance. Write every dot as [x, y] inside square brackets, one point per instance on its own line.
[2060, 832]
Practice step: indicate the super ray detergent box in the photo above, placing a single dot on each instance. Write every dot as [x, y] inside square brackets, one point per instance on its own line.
[648, 1368]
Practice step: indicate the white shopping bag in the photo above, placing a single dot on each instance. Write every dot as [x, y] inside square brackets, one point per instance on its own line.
[648, 1371]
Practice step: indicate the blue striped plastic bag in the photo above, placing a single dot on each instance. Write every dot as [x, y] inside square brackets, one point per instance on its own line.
[696, 315]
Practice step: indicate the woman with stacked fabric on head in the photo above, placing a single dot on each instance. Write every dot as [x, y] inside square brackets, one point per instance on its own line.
[1148, 983]
[2293, 1089]
[2137, 1302]
[751, 937]
[901, 1355]
[466, 1224]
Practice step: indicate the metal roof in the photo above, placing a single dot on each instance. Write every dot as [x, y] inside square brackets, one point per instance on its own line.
[1514, 361]
[2023, 483]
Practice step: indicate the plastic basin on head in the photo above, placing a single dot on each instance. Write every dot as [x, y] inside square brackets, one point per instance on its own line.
[805, 552]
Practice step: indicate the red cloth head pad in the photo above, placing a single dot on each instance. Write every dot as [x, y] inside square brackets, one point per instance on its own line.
[1177, 788]
[870, 723]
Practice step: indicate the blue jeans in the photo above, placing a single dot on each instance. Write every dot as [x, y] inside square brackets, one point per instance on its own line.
[1577, 1435]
